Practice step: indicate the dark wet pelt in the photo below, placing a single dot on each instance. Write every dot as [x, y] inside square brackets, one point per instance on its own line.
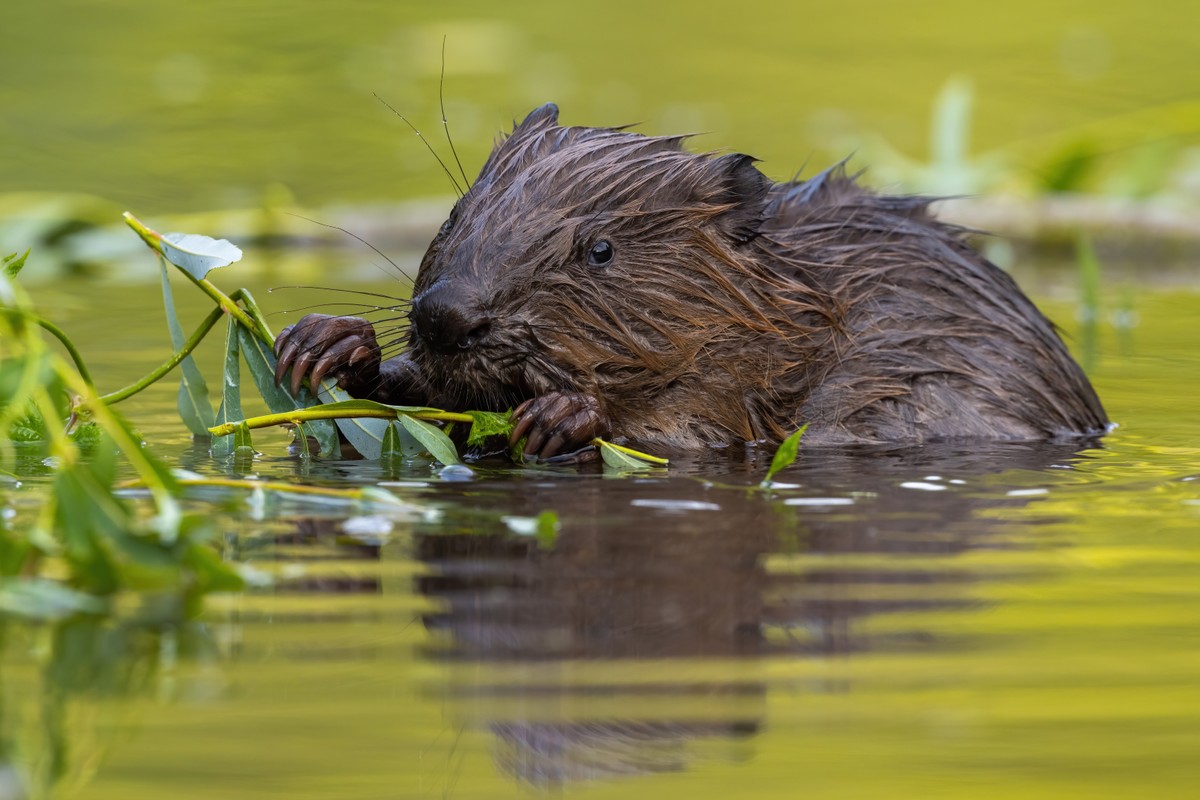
[1004, 621]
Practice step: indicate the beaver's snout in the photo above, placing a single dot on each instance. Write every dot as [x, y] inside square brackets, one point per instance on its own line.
[446, 324]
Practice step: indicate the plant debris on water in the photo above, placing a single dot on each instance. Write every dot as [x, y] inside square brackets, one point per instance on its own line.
[92, 533]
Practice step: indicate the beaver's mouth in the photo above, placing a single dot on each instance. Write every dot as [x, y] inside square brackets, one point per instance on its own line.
[488, 377]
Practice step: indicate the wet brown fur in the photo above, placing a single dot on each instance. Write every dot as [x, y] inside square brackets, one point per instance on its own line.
[735, 309]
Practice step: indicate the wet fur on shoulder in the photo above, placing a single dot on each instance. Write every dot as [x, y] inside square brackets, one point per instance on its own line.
[734, 308]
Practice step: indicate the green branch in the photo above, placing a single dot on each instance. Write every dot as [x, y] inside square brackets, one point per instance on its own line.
[188, 346]
[69, 346]
[333, 412]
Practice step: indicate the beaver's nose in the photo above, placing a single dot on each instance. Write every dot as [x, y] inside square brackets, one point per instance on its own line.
[446, 325]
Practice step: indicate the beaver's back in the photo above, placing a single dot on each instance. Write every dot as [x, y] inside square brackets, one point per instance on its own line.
[931, 341]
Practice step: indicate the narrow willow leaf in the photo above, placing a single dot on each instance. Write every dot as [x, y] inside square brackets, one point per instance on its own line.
[432, 438]
[242, 438]
[489, 423]
[785, 456]
[365, 434]
[301, 440]
[41, 599]
[11, 265]
[153, 472]
[194, 406]
[627, 458]
[198, 255]
[261, 363]
[392, 448]
[619, 459]
[231, 392]
[86, 517]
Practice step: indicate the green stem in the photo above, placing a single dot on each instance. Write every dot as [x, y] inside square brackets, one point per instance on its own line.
[318, 412]
[158, 481]
[153, 240]
[263, 331]
[63, 339]
[168, 365]
[229, 306]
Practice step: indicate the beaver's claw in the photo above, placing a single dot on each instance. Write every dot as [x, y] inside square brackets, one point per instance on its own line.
[559, 425]
[320, 345]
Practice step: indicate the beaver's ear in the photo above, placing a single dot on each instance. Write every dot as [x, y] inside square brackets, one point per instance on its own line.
[744, 189]
[542, 117]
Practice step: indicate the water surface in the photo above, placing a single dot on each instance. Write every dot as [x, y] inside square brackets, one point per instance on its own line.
[1001, 621]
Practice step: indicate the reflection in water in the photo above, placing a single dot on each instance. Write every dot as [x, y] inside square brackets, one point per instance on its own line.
[60, 682]
[647, 639]
[681, 570]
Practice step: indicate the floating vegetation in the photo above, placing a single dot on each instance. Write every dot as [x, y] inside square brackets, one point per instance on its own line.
[90, 539]
[93, 541]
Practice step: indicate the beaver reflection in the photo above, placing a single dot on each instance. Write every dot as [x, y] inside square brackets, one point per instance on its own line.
[650, 574]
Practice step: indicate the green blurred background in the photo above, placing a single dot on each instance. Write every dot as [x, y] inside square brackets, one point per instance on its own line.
[186, 106]
[1070, 674]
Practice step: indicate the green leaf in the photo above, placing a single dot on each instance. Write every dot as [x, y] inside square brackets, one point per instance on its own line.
[261, 362]
[86, 436]
[432, 438]
[547, 529]
[194, 406]
[398, 443]
[12, 264]
[231, 392]
[29, 427]
[36, 598]
[621, 458]
[366, 434]
[198, 255]
[194, 254]
[85, 515]
[391, 448]
[212, 574]
[489, 423]
[784, 456]
[626, 459]
[242, 439]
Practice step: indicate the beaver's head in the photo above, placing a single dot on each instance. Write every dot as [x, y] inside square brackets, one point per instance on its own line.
[589, 260]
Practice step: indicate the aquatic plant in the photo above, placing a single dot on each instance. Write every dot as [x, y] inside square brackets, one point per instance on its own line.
[89, 535]
[85, 533]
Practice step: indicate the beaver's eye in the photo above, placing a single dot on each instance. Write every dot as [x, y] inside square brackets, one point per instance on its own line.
[601, 254]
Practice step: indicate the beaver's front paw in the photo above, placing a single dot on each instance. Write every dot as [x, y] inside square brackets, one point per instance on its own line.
[559, 425]
[320, 345]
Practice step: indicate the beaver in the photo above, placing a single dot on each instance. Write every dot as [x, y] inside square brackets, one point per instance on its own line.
[609, 283]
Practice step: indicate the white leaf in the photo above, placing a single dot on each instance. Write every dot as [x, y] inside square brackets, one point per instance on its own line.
[197, 254]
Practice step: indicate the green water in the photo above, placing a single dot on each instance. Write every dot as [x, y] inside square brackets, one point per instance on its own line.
[997, 622]
[181, 106]
[1014, 621]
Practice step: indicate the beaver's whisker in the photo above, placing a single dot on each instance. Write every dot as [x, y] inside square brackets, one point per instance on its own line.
[399, 301]
[445, 124]
[457, 189]
[340, 304]
[400, 273]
